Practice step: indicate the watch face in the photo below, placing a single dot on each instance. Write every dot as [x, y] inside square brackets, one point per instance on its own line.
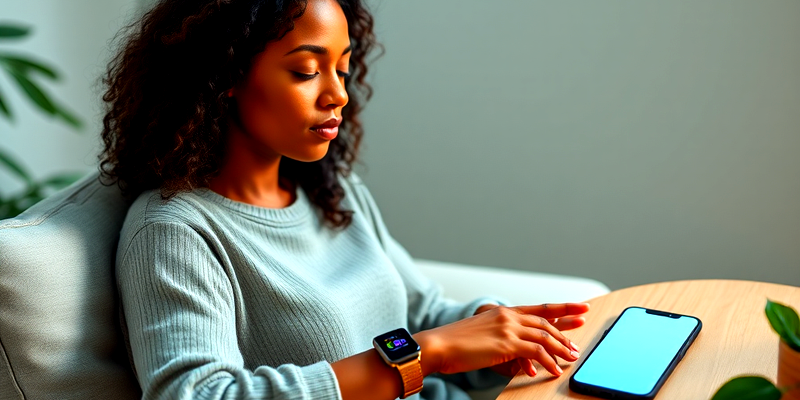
[397, 345]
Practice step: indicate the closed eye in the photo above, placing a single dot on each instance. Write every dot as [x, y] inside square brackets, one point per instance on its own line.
[308, 77]
[305, 77]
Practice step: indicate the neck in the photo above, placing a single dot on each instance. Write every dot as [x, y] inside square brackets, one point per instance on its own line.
[250, 173]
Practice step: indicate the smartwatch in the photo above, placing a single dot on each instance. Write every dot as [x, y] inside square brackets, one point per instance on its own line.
[399, 350]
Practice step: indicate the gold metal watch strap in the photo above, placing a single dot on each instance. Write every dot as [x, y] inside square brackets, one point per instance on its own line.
[411, 374]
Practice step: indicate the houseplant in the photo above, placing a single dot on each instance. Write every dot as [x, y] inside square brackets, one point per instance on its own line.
[24, 71]
[785, 322]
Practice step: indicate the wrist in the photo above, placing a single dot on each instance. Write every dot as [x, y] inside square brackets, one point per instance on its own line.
[431, 356]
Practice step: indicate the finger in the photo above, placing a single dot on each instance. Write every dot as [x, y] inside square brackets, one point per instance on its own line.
[555, 361]
[551, 345]
[527, 366]
[535, 351]
[554, 310]
[535, 322]
[567, 323]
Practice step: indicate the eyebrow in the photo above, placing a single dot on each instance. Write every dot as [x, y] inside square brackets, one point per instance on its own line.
[312, 48]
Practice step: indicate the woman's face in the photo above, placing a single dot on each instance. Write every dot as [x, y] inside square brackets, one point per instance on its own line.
[291, 101]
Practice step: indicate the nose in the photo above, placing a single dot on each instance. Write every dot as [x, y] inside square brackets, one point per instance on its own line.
[334, 93]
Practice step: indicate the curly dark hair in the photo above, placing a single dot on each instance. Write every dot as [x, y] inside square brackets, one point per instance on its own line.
[166, 121]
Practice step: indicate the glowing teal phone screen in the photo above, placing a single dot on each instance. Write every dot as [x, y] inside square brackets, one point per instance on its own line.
[637, 351]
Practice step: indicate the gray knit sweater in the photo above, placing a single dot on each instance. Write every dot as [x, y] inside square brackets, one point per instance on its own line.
[225, 300]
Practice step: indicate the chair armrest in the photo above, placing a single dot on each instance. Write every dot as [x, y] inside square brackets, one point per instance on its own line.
[467, 282]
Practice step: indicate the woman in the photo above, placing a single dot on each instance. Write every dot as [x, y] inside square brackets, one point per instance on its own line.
[253, 263]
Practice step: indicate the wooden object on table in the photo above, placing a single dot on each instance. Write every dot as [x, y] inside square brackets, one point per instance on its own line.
[789, 371]
[736, 338]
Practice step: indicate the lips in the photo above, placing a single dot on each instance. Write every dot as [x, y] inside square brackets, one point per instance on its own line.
[331, 123]
[328, 129]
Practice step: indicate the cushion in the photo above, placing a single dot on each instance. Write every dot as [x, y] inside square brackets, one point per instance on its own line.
[466, 282]
[59, 336]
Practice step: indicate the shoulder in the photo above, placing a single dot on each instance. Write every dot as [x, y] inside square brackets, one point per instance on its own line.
[356, 191]
[357, 195]
[185, 214]
[150, 207]
[359, 199]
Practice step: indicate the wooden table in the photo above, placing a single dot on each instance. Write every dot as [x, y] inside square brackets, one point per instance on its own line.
[736, 338]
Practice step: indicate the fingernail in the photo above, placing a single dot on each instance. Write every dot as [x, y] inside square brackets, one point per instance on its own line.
[534, 370]
[558, 368]
[575, 354]
[574, 346]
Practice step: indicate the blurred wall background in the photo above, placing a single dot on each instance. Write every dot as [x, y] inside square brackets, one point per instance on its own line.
[625, 141]
[74, 37]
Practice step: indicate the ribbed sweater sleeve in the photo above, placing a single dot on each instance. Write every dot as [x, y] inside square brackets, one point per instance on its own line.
[177, 292]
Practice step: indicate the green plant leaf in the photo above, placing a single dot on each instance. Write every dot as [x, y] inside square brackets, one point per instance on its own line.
[11, 31]
[25, 203]
[68, 117]
[31, 195]
[4, 108]
[23, 65]
[748, 388]
[13, 211]
[15, 167]
[11, 207]
[785, 322]
[36, 95]
[8, 209]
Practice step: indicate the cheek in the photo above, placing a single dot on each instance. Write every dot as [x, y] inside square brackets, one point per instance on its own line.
[276, 107]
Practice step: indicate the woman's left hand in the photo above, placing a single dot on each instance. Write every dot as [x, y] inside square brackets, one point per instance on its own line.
[512, 367]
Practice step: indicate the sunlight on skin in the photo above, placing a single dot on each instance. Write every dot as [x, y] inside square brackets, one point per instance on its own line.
[288, 105]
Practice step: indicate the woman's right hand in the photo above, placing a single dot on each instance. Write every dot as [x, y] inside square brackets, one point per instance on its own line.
[500, 335]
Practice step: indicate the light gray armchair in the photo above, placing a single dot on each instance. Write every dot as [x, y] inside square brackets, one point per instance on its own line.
[58, 313]
[59, 337]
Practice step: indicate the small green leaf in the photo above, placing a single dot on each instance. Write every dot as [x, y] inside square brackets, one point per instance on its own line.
[68, 117]
[785, 322]
[15, 167]
[13, 211]
[748, 388]
[36, 95]
[8, 209]
[23, 65]
[31, 190]
[4, 108]
[11, 31]
[27, 202]
[13, 206]
[23, 203]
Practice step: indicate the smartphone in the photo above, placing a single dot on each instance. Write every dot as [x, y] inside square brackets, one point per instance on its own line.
[636, 354]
